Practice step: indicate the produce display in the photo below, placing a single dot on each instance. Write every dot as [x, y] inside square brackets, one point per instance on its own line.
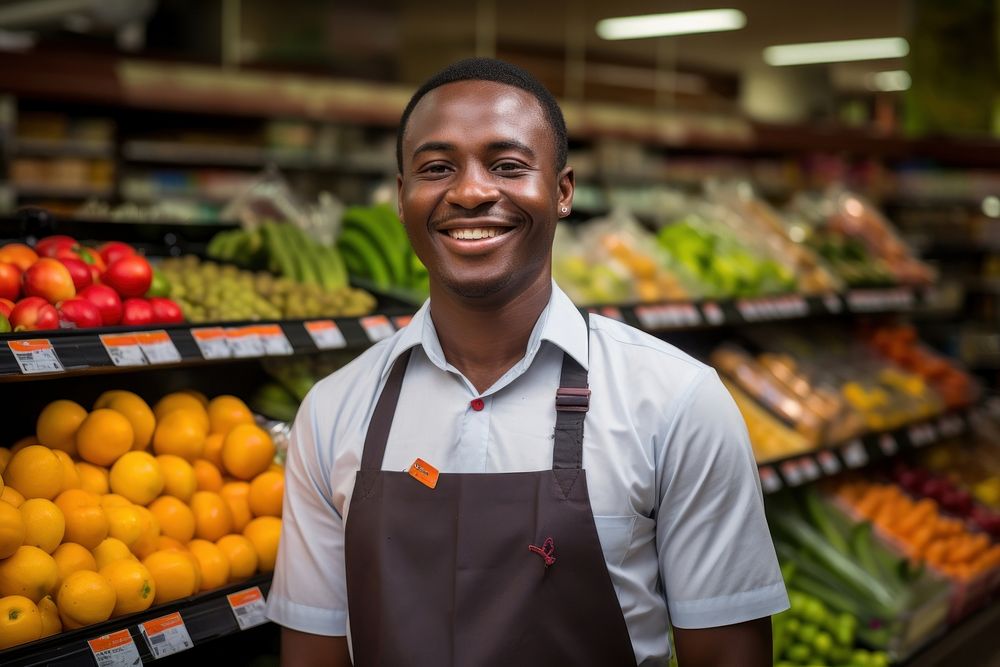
[108, 511]
[945, 488]
[973, 465]
[292, 379]
[62, 284]
[770, 438]
[375, 247]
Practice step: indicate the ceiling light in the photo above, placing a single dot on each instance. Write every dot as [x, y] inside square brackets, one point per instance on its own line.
[675, 23]
[890, 81]
[836, 52]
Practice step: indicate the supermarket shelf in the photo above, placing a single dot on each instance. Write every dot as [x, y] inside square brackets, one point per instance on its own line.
[62, 191]
[973, 642]
[207, 616]
[25, 147]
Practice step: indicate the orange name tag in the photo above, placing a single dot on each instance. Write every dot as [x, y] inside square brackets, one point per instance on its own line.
[424, 472]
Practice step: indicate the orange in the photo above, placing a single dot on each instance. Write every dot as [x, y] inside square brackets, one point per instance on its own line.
[44, 524]
[266, 493]
[57, 424]
[225, 412]
[70, 475]
[125, 523]
[175, 518]
[147, 542]
[110, 550]
[133, 584]
[18, 254]
[29, 572]
[70, 557]
[12, 530]
[5, 455]
[180, 433]
[93, 478]
[11, 496]
[104, 400]
[182, 400]
[133, 408]
[85, 598]
[51, 625]
[103, 437]
[178, 475]
[213, 449]
[35, 472]
[173, 573]
[109, 500]
[20, 621]
[201, 398]
[24, 442]
[240, 553]
[237, 496]
[212, 518]
[207, 475]
[247, 451]
[264, 532]
[165, 543]
[212, 562]
[86, 521]
[137, 476]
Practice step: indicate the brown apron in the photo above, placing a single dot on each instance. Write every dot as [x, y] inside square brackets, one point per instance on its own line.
[489, 569]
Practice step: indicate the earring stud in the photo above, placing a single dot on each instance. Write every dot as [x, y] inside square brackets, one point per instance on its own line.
[565, 210]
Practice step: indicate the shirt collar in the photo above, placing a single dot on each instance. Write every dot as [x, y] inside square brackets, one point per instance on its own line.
[560, 323]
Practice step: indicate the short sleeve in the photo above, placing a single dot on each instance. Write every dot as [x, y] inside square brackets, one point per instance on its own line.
[717, 562]
[309, 588]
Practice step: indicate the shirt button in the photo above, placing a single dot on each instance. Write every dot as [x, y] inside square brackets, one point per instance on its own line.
[477, 404]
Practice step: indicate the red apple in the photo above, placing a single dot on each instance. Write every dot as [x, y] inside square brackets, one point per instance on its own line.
[137, 312]
[93, 261]
[50, 245]
[107, 301]
[79, 271]
[49, 279]
[78, 313]
[165, 311]
[130, 276]
[10, 281]
[115, 250]
[6, 305]
[33, 313]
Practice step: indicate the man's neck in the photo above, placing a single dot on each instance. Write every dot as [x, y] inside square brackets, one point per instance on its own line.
[484, 342]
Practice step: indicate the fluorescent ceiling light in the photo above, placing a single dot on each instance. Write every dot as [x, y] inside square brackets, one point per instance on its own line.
[890, 81]
[675, 23]
[836, 52]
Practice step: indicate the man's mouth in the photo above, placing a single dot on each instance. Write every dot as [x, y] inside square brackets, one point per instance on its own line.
[475, 233]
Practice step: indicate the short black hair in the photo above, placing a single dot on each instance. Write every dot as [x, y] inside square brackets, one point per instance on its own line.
[498, 71]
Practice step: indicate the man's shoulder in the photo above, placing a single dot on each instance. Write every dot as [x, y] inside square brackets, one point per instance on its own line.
[623, 343]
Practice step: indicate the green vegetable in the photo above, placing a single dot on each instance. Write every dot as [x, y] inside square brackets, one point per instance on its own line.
[821, 518]
[798, 653]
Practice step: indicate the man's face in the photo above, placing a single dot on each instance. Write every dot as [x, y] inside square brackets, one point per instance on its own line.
[479, 193]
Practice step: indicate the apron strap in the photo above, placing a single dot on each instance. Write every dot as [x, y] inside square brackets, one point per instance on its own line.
[572, 403]
[385, 410]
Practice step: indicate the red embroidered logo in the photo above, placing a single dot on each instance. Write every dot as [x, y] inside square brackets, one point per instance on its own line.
[546, 551]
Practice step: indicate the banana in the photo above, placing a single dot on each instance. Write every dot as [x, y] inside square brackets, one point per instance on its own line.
[369, 223]
[278, 257]
[333, 274]
[353, 242]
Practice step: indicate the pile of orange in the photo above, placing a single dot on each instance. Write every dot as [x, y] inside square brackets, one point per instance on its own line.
[109, 511]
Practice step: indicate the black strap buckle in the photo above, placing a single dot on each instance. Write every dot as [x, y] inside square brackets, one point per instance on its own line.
[572, 399]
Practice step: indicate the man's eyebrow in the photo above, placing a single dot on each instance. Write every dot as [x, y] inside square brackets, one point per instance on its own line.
[433, 146]
[511, 144]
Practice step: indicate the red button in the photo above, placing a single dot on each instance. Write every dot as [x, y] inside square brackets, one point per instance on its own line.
[477, 404]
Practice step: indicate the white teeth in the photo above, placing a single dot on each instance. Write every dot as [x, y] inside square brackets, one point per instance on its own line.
[473, 234]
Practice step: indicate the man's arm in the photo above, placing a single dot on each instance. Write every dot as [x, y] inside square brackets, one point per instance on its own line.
[746, 644]
[301, 649]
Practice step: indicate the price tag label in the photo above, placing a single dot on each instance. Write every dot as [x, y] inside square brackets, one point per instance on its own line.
[921, 435]
[244, 342]
[887, 443]
[212, 342]
[123, 349]
[773, 308]
[792, 473]
[809, 468]
[950, 426]
[401, 321]
[769, 480]
[248, 607]
[880, 300]
[115, 650]
[377, 327]
[326, 334]
[713, 313]
[158, 347]
[612, 313]
[854, 454]
[828, 461]
[274, 340]
[35, 355]
[166, 635]
[833, 303]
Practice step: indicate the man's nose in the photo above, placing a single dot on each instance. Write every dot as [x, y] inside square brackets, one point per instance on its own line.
[473, 186]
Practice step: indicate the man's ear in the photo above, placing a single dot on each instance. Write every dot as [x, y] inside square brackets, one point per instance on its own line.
[399, 196]
[567, 185]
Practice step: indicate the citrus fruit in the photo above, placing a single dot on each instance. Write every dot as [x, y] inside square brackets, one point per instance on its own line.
[70, 475]
[247, 451]
[207, 476]
[225, 412]
[133, 584]
[110, 550]
[93, 478]
[20, 621]
[180, 433]
[264, 532]
[176, 519]
[213, 449]
[11, 496]
[266, 493]
[24, 442]
[12, 529]
[178, 475]
[237, 496]
[213, 564]
[200, 397]
[173, 573]
[71, 557]
[5, 455]
[212, 518]
[85, 598]
[146, 544]
[137, 476]
[51, 625]
[125, 523]
[29, 572]
[57, 424]
[240, 553]
[35, 472]
[181, 401]
[109, 500]
[165, 543]
[104, 436]
[44, 524]
[104, 400]
[138, 414]
[86, 521]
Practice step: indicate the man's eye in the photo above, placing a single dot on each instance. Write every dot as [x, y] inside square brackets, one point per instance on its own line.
[435, 169]
[507, 166]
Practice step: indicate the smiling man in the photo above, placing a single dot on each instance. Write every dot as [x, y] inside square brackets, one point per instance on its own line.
[504, 481]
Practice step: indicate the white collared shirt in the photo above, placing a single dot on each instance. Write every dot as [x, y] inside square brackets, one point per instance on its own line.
[672, 478]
